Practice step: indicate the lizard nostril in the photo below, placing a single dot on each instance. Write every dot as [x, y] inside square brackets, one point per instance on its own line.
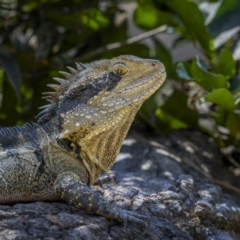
[153, 64]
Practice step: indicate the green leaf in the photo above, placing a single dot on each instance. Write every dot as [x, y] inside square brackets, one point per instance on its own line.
[233, 124]
[226, 64]
[164, 56]
[176, 106]
[30, 6]
[146, 114]
[227, 17]
[227, 5]
[147, 16]
[165, 122]
[193, 20]
[223, 98]
[91, 18]
[221, 116]
[10, 65]
[148, 108]
[182, 72]
[207, 80]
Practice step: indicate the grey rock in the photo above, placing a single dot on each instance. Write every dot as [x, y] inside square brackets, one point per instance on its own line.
[155, 177]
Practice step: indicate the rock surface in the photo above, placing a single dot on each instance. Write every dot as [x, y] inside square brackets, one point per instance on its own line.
[166, 179]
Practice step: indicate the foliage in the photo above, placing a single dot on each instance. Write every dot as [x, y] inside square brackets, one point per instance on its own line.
[39, 38]
[205, 92]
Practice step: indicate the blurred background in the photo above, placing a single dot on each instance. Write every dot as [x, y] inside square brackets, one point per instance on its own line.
[198, 42]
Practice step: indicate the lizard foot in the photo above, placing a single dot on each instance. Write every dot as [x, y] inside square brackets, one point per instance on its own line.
[83, 197]
[120, 214]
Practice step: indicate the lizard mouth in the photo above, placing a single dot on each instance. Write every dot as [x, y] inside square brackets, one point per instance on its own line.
[148, 81]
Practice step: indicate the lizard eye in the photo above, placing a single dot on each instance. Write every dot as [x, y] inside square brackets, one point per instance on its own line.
[120, 69]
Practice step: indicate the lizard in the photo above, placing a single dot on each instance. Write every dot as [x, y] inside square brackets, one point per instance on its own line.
[78, 135]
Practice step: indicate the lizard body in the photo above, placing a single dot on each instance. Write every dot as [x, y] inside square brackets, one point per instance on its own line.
[78, 135]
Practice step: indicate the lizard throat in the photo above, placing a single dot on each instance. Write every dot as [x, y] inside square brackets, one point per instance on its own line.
[100, 151]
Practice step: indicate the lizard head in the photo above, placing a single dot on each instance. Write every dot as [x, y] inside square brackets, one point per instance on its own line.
[100, 94]
[93, 110]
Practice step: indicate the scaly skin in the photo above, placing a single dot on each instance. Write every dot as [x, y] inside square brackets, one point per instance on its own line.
[78, 136]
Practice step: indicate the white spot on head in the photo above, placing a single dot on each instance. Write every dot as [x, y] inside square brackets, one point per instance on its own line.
[77, 124]
[88, 116]
[118, 106]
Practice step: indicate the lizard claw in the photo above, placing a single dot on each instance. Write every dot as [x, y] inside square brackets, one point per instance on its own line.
[105, 179]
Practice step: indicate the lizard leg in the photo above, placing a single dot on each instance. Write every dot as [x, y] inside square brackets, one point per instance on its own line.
[81, 196]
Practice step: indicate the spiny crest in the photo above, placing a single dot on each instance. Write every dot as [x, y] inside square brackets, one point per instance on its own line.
[10, 135]
[59, 89]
